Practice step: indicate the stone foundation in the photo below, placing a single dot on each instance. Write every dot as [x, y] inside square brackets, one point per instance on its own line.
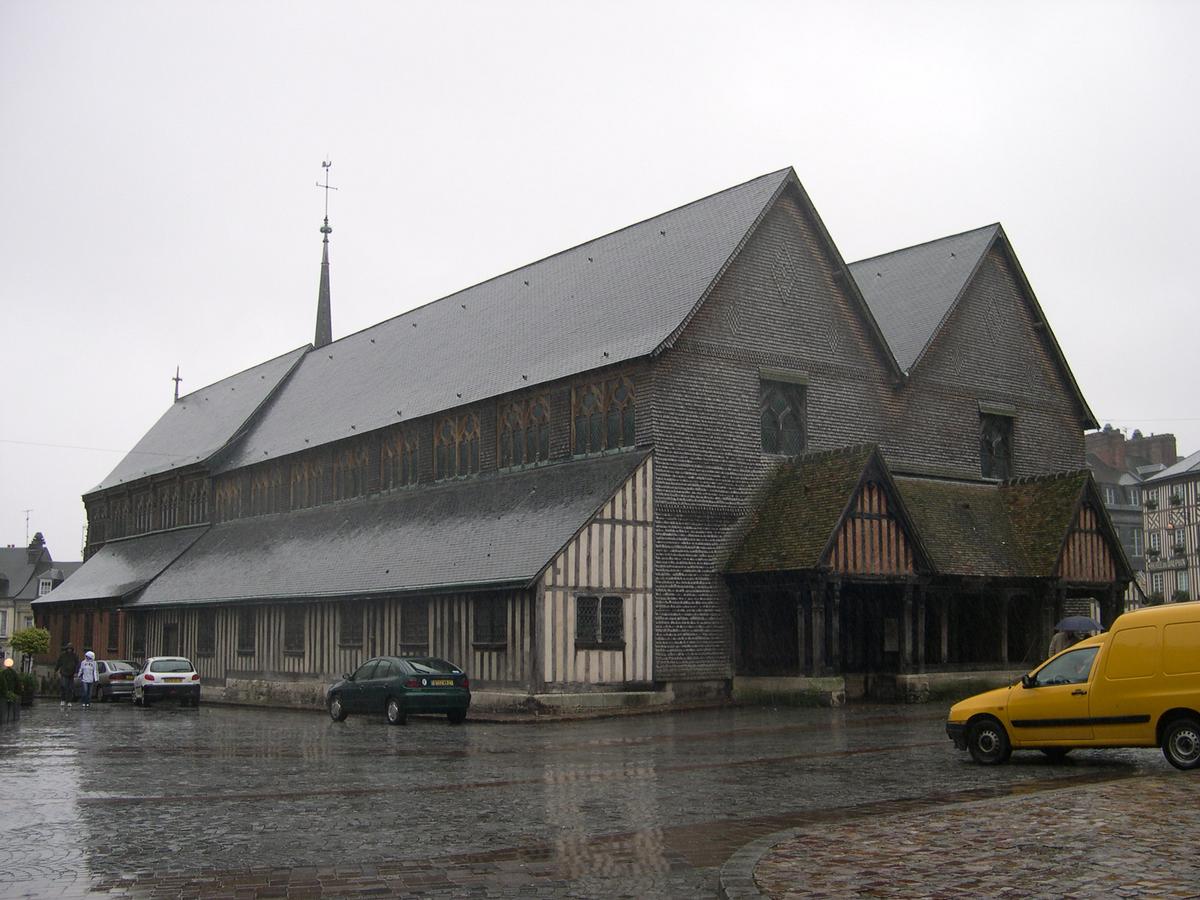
[790, 691]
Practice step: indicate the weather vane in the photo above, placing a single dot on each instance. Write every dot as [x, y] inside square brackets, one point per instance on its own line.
[326, 165]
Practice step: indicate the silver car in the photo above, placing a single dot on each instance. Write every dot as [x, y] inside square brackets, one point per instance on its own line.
[114, 680]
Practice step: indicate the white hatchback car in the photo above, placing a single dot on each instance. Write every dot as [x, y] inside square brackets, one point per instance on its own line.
[167, 678]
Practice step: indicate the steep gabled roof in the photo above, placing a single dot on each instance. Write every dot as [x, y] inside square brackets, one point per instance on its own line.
[803, 502]
[912, 291]
[201, 423]
[506, 527]
[615, 298]
[18, 572]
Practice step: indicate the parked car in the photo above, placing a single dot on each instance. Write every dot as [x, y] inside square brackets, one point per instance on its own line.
[399, 685]
[167, 678]
[1136, 685]
[115, 680]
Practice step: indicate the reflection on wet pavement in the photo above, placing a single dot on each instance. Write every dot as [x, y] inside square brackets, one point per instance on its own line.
[263, 803]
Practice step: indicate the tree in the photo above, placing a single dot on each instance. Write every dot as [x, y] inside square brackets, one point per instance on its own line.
[31, 642]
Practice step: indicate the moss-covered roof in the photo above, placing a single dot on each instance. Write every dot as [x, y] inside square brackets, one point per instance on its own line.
[1011, 530]
[802, 505]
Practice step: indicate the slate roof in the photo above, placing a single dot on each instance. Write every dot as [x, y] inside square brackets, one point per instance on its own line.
[1186, 466]
[802, 504]
[124, 566]
[615, 298]
[201, 423]
[506, 527]
[912, 291]
[18, 572]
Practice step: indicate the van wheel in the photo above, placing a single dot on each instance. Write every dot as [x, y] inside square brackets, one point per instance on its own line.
[988, 742]
[1181, 743]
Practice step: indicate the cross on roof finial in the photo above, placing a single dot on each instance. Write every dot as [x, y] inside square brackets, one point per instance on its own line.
[177, 379]
[326, 165]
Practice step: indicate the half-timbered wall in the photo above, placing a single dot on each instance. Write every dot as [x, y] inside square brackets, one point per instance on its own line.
[448, 625]
[871, 541]
[1086, 557]
[612, 556]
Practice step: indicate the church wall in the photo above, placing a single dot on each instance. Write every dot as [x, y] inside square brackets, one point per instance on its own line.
[777, 307]
[613, 555]
[988, 351]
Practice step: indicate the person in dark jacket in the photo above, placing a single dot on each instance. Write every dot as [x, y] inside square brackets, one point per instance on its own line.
[67, 665]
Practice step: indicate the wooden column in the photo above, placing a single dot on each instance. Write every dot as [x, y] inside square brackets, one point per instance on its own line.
[835, 625]
[1048, 599]
[1003, 629]
[906, 629]
[817, 627]
[920, 627]
[944, 623]
[801, 633]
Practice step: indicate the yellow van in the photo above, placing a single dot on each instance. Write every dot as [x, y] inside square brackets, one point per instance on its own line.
[1136, 685]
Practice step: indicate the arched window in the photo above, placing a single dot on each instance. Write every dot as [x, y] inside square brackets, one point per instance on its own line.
[524, 432]
[350, 473]
[397, 461]
[456, 446]
[781, 414]
[604, 416]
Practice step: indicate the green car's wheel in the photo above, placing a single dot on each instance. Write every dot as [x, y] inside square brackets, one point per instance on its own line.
[395, 712]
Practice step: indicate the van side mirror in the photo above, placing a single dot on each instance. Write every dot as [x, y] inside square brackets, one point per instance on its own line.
[1027, 681]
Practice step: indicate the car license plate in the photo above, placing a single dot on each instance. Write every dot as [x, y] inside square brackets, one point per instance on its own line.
[172, 680]
[442, 682]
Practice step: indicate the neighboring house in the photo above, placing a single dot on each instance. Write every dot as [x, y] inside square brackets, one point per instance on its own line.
[1122, 495]
[1171, 506]
[560, 477]
[26, 573]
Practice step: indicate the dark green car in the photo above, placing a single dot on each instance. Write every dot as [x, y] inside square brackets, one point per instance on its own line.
[399, 685]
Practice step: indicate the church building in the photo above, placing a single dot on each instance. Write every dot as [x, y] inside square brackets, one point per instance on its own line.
[699, 456]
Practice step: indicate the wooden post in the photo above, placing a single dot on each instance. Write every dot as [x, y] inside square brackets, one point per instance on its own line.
[906, 629]
[1003, 629]
[920, 627]
[801, 655]
[817, 630]
[1048, 598]
[944, 623]
[835, 626]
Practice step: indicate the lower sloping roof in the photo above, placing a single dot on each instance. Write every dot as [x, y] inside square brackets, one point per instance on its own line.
[1015, 529]
[124, 566]
[490, 531]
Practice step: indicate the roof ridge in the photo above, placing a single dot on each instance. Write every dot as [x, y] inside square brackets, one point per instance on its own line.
[305, 347]
[558, 253]
[947, 237]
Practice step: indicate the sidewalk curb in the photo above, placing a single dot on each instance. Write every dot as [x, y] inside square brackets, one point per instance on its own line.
[737, 875]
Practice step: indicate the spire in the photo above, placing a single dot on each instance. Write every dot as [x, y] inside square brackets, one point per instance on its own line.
[324, 334]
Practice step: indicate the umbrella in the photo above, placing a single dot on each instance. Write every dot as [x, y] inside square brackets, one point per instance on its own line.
[1078, 623]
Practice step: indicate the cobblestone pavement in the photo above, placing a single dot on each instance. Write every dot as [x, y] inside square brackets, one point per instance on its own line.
[1133, 838]
[242, 803]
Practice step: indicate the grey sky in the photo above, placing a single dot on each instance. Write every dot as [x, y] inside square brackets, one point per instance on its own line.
[158, 165]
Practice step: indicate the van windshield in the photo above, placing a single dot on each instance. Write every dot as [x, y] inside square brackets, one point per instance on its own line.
[1070, 668]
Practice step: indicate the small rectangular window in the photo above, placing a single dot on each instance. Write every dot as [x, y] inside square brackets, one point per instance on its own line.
[600, 622]
[1156, 583]
[206, 633]
[293, 630]
[350, 626]
[246, 621]
[414, 627]
[996, 446]
[1156, 541]
[114, 631]
[491, 621]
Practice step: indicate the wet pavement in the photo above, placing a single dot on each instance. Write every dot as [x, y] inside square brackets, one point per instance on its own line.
[228, 802]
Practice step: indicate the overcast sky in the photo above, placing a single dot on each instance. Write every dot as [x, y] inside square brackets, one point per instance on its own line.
[158, 168]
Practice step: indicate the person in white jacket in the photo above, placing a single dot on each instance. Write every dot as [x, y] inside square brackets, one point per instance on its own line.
[88, 677]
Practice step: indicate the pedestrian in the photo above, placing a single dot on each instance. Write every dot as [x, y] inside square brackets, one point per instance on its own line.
[1062, 640]
[66, 666]
[87, 676]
